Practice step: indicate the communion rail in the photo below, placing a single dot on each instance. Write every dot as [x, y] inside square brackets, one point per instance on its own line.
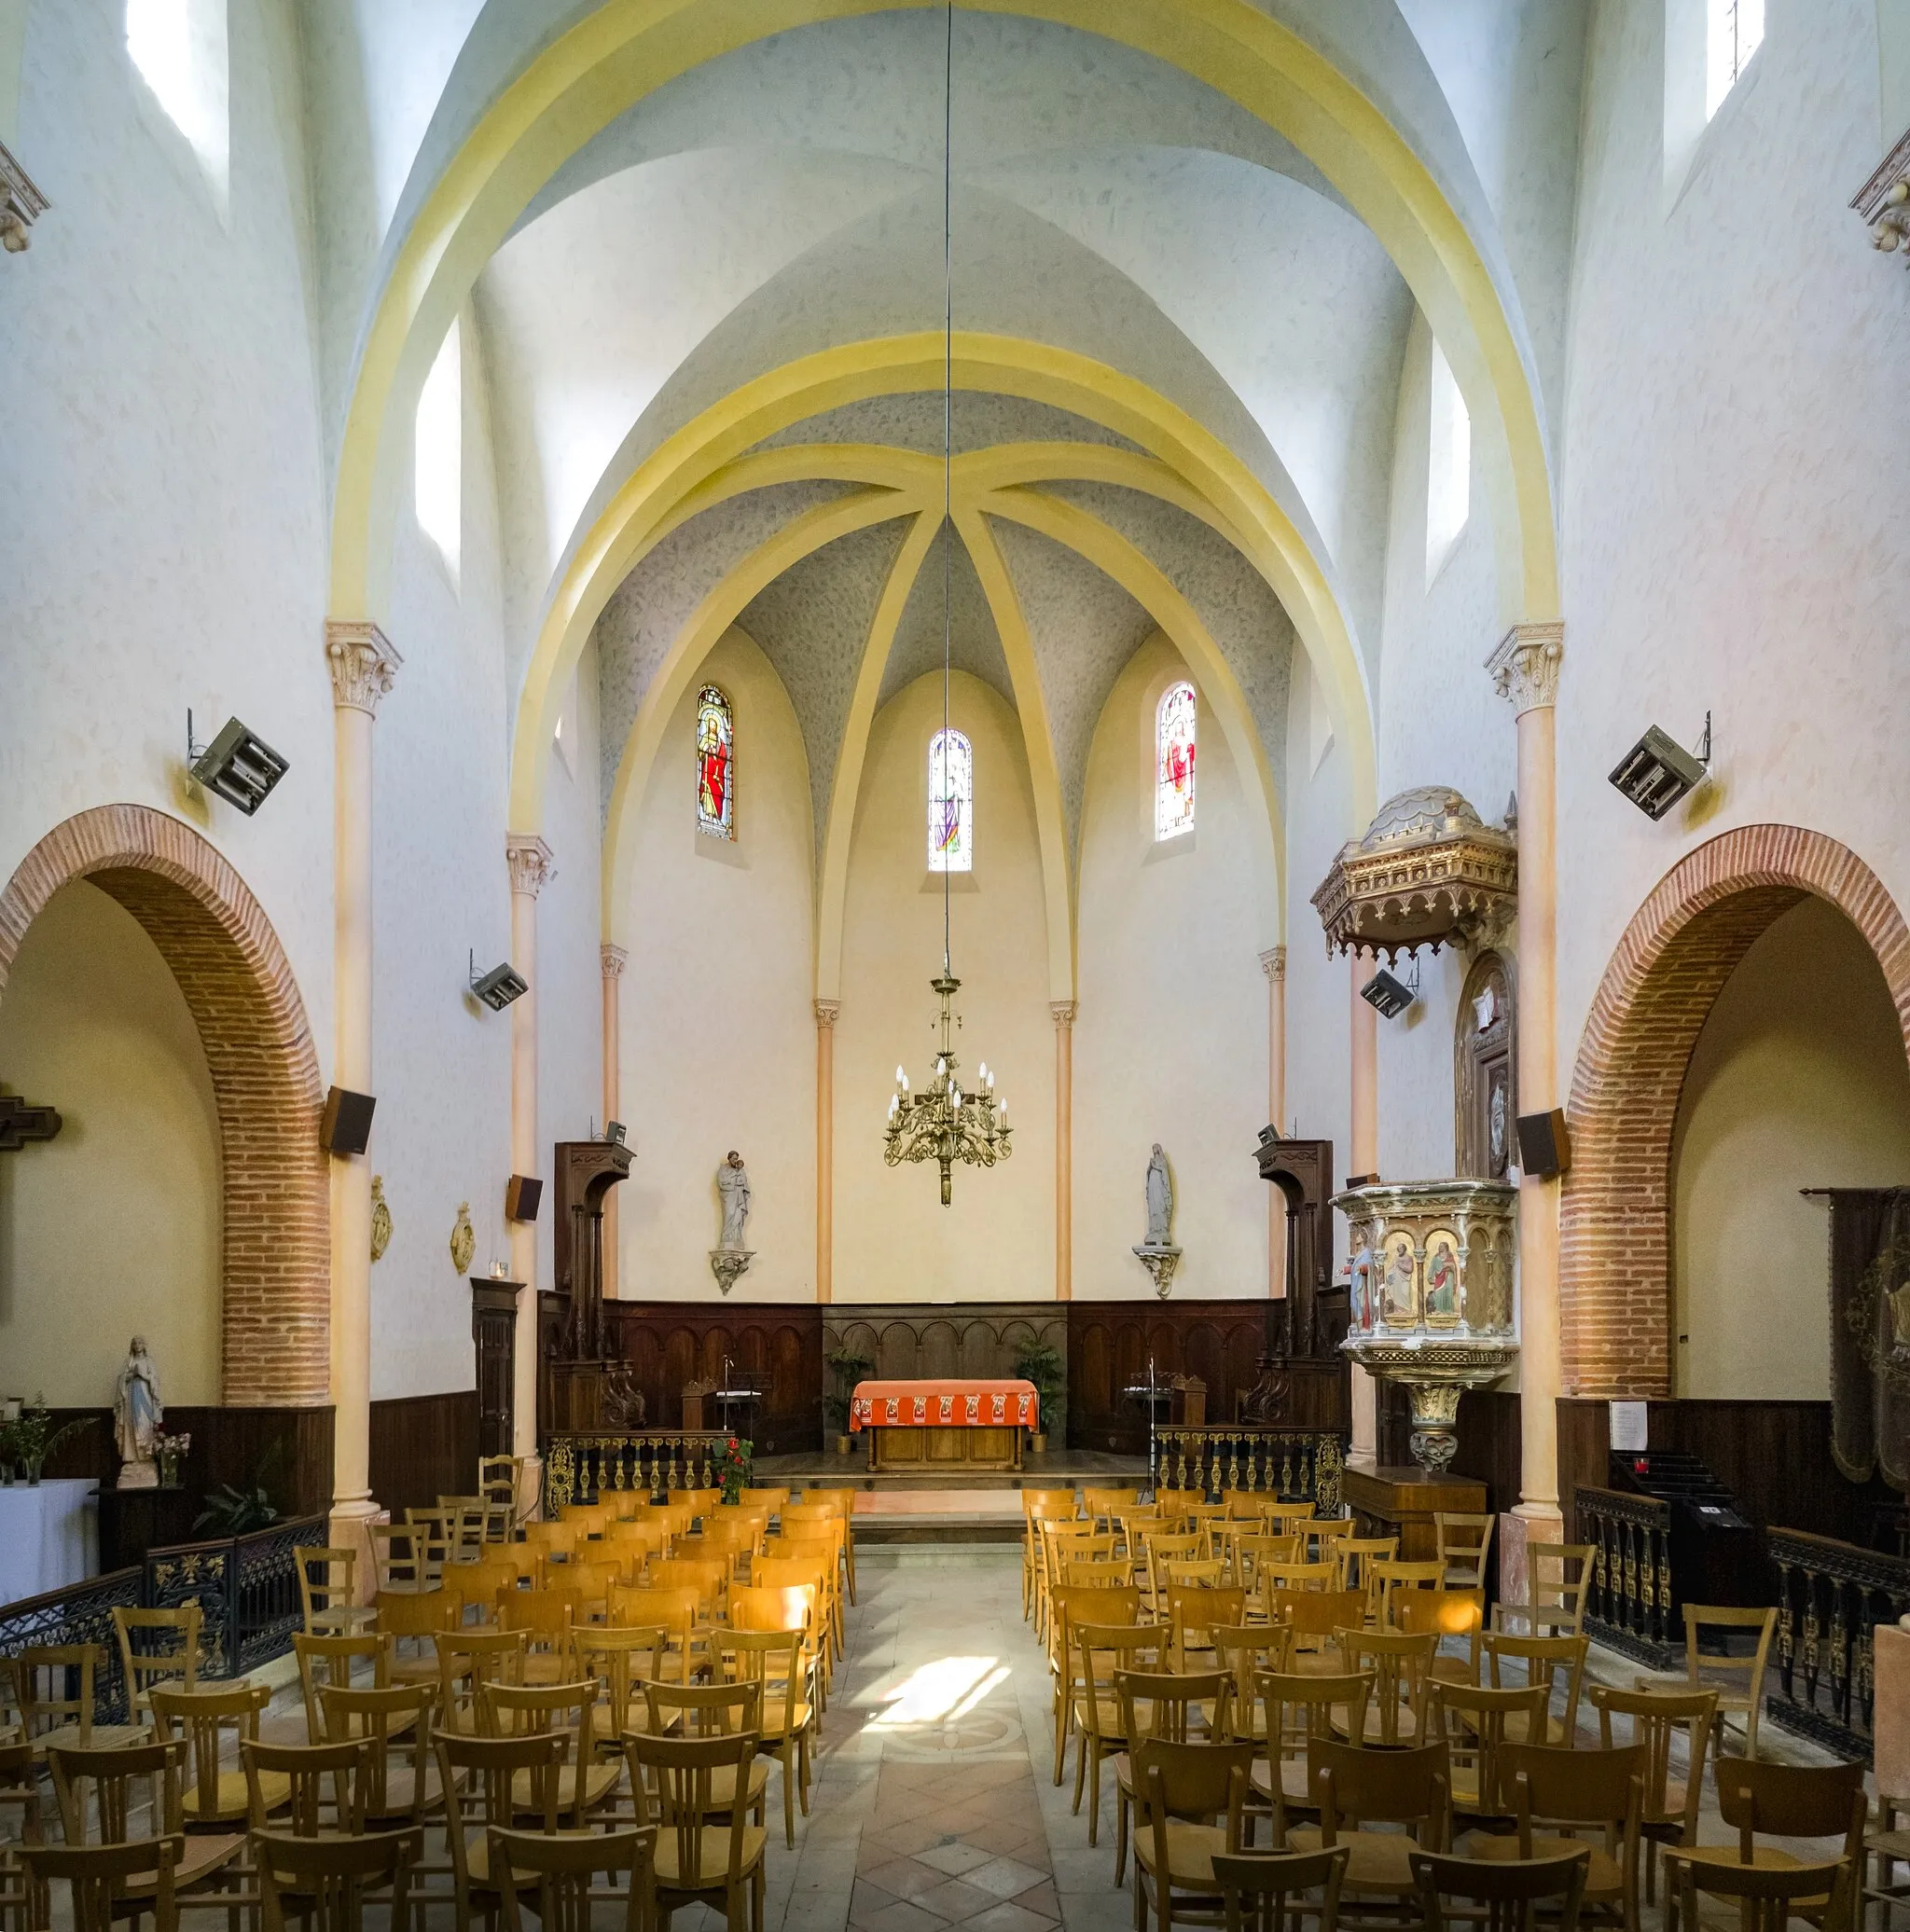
[1294, 1465]
[1831, 1596]
[246, 1589]
[1629, 1598]
[579, 1467]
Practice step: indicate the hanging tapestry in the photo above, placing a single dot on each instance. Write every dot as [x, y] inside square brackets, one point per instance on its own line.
[1870, 1333]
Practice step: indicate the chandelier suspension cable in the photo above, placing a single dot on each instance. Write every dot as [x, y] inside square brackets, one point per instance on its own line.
[947, 426]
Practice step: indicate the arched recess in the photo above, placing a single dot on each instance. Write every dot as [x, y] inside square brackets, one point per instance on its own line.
[1664, 976]
[275, 1346]
[625, 49]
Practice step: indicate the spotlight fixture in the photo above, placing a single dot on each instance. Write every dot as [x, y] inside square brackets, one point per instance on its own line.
[238, 764]
[499, 986]
[1658, 771]
[613, 1132]
[1388, 995]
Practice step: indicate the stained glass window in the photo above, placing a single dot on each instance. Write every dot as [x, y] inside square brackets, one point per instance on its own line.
[715, 763]
[951, 802]
[1173, 768]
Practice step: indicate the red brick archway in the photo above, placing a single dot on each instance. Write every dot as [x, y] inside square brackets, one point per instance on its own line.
[1674, 958]
[237, 984]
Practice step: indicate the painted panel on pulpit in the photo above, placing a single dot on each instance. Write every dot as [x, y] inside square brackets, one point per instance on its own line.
[1399, 1283]
[1443, 1304]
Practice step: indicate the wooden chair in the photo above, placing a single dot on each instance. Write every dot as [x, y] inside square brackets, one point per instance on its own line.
[1355, 1790]
[1297, 1711]
[1569, 1792]
[1323, 1535]
[324, 1881]
[1357, 1556]
[465, 1520]
[329, 1599]
[561, 1871]
[1464, 1543]
[1446, 1615]
[1085, 1606]
[329, 1660]
[467, 1659]
[503, 1569]
[1671, 1805]
[498, 1480]
[1276, 1888]
[322, 1786]
[547, 1619]
[51, 1717]
[103, 1784]
[201, 1719]
[483, 1780]
[1295, 1519]
[421, 1618]
[1401, 1667]
[1177, 1789]
[1170, 1708]
[1254, 1554]
[569, 1710]
[1316, 1618]
[620, 1659]
[592, 1580]
[674, 1781]
[155, 1647]
[1510, 1893]
[1039, 1506]
[1389, 1578]
[550, 1540]
[1472, 1721]
[672, 1611]
[1545, 1659]
[397, 1557]
[435, 1540]
[1108, 1652]
[1245, 1652]
[396, 1724]
[1739, 1681]
[110, 1881]
[788, 1607]
[1770, 1896]
[773, 1661]
[1194, 1612]
[1558, 1575]
[1165, 1550]
[23, 1902]
[1290, 1578]
[715, 1710]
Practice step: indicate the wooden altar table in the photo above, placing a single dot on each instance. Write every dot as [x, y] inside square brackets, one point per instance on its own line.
[935, 1424]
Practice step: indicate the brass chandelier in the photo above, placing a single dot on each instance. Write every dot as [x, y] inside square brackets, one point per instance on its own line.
[944, 1123]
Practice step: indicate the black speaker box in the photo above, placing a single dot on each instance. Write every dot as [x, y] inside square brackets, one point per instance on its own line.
[1545, 1147]
[522, 1195]
[346, 1128]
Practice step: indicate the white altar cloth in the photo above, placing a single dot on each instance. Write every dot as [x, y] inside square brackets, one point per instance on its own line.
[49, 1536]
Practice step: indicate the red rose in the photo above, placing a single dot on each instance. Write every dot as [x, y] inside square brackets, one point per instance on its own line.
[732, 1444]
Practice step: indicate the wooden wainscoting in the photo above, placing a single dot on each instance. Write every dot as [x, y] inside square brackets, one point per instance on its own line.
[422, 1447]
[1108, 1345]
[911, 1340]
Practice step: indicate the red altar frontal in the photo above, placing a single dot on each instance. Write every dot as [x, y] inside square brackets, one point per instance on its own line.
[942, 1425]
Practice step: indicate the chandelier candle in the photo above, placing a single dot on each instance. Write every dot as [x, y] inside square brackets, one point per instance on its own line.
[943, 1123]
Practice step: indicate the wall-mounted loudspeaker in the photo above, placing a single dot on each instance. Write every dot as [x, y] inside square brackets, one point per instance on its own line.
[522, 1195]
[1545, 1147]
[346, 1128]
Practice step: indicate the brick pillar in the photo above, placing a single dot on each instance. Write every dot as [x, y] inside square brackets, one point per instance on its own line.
[528, 860]
[363, 667]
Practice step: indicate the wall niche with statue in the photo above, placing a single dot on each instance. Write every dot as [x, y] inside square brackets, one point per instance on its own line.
[1484, 1083]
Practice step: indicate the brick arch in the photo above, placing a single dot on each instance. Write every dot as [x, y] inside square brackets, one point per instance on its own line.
[1659, 986]
[237, 985]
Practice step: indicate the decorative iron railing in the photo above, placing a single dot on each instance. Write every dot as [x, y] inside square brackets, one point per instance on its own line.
[1296, 1465]
[1831, 1596]
[246, 1588]
[1629, 1600]
[579, 1468]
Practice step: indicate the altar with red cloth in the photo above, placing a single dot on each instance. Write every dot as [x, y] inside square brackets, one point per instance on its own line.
[939, 1424]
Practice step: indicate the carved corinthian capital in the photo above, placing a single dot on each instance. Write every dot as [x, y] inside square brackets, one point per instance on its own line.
[826, 1010]
[1884, 202]
[22, 204]
[1525, 666]
[363, 661]
[1063, 1010]
[529, 860]
[614, 959]
[1273, 962]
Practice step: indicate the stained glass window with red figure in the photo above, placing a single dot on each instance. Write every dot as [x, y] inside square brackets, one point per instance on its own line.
[951, 802]
[715, 763]
[1173, 776]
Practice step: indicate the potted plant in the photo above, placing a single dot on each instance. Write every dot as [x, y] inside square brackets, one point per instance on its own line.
[31, 1437]
[231, 1512]
[1037, 1362]
[733, 1470]
[847, 1371]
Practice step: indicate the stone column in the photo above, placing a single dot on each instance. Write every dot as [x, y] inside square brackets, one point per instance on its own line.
[613, 959]
[528, 860]
[1063, 1010]
[1364, 1158]
[1273, 962]
[363, 668]
[826, 1010]
[1524, 669]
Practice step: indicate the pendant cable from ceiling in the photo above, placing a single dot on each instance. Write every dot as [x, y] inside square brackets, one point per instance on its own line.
[948, 447]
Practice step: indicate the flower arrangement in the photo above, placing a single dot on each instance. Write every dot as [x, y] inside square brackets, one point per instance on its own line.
[733, 1470]
[169, 1452]
[29, 1438]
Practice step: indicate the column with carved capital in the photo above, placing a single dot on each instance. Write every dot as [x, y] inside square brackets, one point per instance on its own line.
[527, 859]
[364, 667]
[1524, 669]
[1363, 1159]
[826, 1010]
[1063, 1010]
[1273, 962]
[614, 959]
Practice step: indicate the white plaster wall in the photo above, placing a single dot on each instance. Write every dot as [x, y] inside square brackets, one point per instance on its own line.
[1731, 480]
[1171, 1031]
[1798, 1080]
[165, 539]
[894, 1241]
[112, 1228]
[440, 1058]
[718, 1027]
